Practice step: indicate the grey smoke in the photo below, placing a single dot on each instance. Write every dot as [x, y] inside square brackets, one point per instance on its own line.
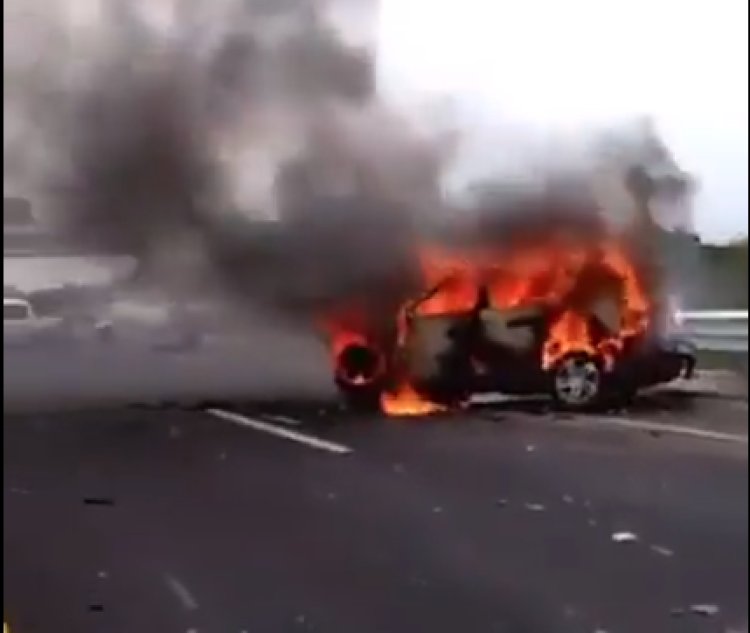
[178, 145]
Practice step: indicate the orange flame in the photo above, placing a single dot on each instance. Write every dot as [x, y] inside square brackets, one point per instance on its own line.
[452, 287]
[345, 329]
[406, 401]
[571, 331]
[452, 280]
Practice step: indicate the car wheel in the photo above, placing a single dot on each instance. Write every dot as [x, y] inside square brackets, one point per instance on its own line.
[577, 382]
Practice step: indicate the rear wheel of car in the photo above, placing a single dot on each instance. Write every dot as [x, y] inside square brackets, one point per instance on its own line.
[577, 382]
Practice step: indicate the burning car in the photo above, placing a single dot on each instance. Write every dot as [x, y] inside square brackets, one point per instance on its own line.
[573, 314]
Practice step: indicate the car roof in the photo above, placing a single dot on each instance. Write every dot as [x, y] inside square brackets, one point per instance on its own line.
[15, 301]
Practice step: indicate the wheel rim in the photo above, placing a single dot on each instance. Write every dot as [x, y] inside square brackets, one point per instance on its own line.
[577, 381]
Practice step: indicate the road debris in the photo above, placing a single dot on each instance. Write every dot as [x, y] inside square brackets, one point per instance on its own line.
[660, 549]
[535, 507]
[501, 503]
[568, 499]
[98, 501]
[437, 509]
[706, 610]
[624, 537]
[181, 592]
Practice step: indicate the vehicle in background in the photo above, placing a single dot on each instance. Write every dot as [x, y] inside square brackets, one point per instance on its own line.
[23, 327]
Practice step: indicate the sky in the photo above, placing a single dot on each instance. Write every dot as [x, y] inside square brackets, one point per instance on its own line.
[557, 65]
[531, 65]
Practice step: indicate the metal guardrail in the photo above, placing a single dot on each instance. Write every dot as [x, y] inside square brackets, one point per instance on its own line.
[716, 330]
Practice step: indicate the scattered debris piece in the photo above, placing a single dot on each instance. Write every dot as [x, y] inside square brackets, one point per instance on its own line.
[332, 496]
[398, 468]
[593, 523]
[660, 549]
[677, 613]
[98, 501]
[706, 610]
[181, 592]
[530, 448]
[501, 503]
[437, 509]
[568, 499]
[102, 574]
[624, 537]
[534, 507]
[96, 608]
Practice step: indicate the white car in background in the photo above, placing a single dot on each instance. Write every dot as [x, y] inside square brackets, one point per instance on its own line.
[23, 327]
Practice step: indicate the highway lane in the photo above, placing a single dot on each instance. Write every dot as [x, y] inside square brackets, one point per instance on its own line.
[494, 519]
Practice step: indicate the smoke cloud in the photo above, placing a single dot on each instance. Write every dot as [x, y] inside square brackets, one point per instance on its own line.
[228, 145]
[240, 148]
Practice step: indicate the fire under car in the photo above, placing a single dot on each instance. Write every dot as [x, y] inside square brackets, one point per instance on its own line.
[585, 354]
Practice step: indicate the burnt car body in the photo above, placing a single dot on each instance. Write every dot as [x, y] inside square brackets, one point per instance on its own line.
[450, 357]
[496, 302]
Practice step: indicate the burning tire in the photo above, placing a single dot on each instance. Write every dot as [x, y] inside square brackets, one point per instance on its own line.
[359, 376]
[577, 382]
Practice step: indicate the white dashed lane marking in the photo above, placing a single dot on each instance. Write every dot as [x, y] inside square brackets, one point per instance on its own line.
[675, 429]
[589, 421]
[182, 592]
[283, 419]
[272, 429]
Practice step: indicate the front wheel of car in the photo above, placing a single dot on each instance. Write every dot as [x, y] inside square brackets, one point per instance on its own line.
[577, 382]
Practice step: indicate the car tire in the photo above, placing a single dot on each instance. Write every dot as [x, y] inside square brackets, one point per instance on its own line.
[577, 382]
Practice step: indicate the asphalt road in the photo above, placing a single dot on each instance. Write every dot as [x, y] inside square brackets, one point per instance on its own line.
[496, 519]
